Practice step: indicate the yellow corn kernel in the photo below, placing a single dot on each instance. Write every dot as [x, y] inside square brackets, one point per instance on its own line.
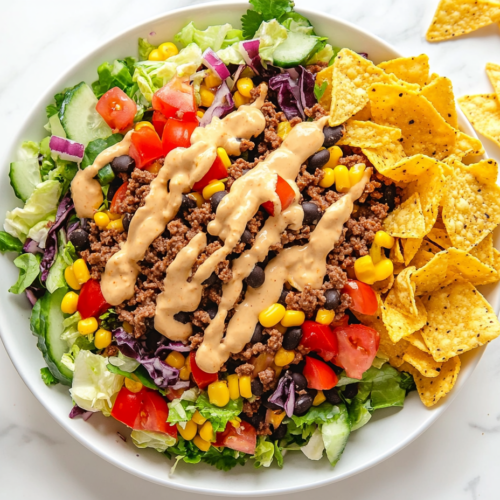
[140, 125]
[246, 386]
[218, 393]
[189, 432]
[240, 100]
[234, 386]
[328, 178]
[201, 443]
[365, 270]
[245, 85]
[87, 326]
[69, 303]
[383, 269]
[212, 188]
[293, 318]
[283, 357]
[81, 271]
[280, 328]
[175, 359]
[284, 128]
[167, 50]
[185, 371]
[207, 431]
[335, 155]
[198, 418]
[102, 338]
[207, 96]
[276, 417]
[320, 398]
[155, 55]
[356, 173]
[342, 183]
[212, 80]
[117, 225]
[133, 385]
[70, 278]
[381, 240]
[128, 327]
[324, 316]
[272, 315]
[197, 197]
[236, 422]
[200, 113]
[101, 219]
[222, 154]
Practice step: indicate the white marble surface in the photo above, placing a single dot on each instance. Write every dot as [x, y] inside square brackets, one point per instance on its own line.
[456, 459]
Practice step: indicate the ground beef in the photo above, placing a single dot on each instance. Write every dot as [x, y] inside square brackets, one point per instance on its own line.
[250, 408]
[316, 112]
[111, 350]
[195, 341]
[245, 370]
[295, 121]
[200, 318]
[307, 301]
[264, 429]
[249, 351]
[137, 190]
[275, 340]
[223, 271]
[317, 67]
[267, 378]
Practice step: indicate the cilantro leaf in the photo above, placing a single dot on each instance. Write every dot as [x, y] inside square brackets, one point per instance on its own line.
[47, 377]
[319, 90]
[250, 22]
[224, 459]
[272, 9]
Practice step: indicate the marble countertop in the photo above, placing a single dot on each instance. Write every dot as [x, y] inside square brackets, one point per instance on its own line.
[457, 458]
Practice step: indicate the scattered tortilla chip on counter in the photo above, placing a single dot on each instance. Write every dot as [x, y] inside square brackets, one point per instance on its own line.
[483, 111]
[409, 69]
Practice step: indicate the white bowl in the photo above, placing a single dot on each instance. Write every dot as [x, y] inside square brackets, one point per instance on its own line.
[389, 430]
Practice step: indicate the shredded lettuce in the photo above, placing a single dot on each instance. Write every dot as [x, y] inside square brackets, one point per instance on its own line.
[214, 37]
[145, 48]
[313, 450]
[66, 255]
[28, 150]
[47, 377]
[70, 332]
[180, 411]
[124, 362]
[271, 35]
[324, 55]
[97, 146]
[148, 439]
[9, 244]
[219, 417]
[40, 231]
[231, 54]
[29, 269]
[323, 413]
[264, 453]
[116, 74]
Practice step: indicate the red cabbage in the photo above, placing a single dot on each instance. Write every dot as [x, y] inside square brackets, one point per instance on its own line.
[33, 293]
[31, 246]
[212, 61]
[76, 411]
[222, 105]
[250, 51]
[284, 395]
[306, 86]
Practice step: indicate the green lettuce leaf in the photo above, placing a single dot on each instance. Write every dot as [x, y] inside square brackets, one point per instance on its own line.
[180, 411]
[47, 377]
[9, 244]
[319, 90]
[116, 74]
[264, 453]
[323, 413]
[278, 454]
[28, 150]
[359, 413]
[224, 458]
[148, 439]
[66, 255]
[383, 386]
[64, 172]
[145, 48]
[29, 269]
[271, 35]
[213, 37]
[219, 417]
[313, 450]
[70, 332]
[93, 148]
[231, 54]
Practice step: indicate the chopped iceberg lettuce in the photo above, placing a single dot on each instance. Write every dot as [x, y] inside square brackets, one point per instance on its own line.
[271, 34]
[264, 453]
[149, 439]
[214, 37]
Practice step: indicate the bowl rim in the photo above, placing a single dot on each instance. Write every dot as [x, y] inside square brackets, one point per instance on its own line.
[63, 422]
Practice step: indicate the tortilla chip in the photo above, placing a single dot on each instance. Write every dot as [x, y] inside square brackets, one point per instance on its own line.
[470, 268]
[440, 237]
[364, 115]
[421, 258]
[422, 361]
[424, 130]
[408, 169]
[493, 71]
[394, 351]
[361, 134]
[485, 171]
[467, 146]
[416, 340]
[402, 295]
[455, 18]
[396, 255]
[483, 111]
[428, 246]
[440, 93]
[325, 75]
[484, 251]
[407, 220]
[399, 324]
[409, 69]
[431, 275]
[386, 157]
[458, 319]
[410, 248]
[383, 286]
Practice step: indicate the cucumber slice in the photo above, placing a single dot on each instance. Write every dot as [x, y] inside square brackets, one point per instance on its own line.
[106, 175]
[294, 50]
[24, 177]
[55, 126]
[335, 435]
[79, 118]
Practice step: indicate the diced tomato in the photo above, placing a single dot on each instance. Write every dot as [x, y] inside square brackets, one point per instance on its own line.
[217, 171]
[319, 338]
[176, 100]
[117, 109]
[343, 321]
[202, 379]
[91, 301]
[363, 297]
[242, 438]
[119, 196]
[319, 375]
[286, 195]
[358, 345]
[159, 120]
[177, 134]
[145, 410]
[146, 147]
[174, 394]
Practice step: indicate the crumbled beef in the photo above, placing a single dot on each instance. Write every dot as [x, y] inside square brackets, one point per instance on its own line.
[307, 301]
[297, 359]
[198, 219]
[267, 378]
[195, 341]
[316, 112]
[245, 370]
[295, 121]
[249, 351]
[275, 340]
[246, 145]
[200, 318]
[137, 190]
[305, 179]
[109, 351]
[250, 408]
[351, 160]
[223, 271]
[264, 429]
[317, 67]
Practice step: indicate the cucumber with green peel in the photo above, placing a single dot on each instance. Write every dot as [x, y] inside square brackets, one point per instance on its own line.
[55, 126]
[295, 50]
[335, 435]
[24, 177]
[106, 175]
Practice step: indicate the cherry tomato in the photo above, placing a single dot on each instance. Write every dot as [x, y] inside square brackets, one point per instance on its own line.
[286, 195]
[159, 120]
[117, 109]
[242, 438]
[91, 301]
[145, 410]
[358, 345]
[363, 297]
[319, 375]
[177, 134]
[119, 196]
[319, 338]
[176, 100]
[217, 171]
[146, 147]
[202, 379]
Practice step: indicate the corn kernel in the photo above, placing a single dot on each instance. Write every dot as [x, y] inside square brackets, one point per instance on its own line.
[70, 278]
[246, 386]
[154, 167]
[87, 326]
[324, 316]
[236, 422]
[218, 393]
[69, 303]
[200, 113]
[245, 85]
[212, 80]
[188, 432]
[167, 50]
[283, 357]
[155, 55]
[328, 178]
[319, 398]
[128, 327]
[234, 386]
[140, 125]
[280, 328]
[383, 269]
[207, 431]
[212, 188]
[240, 100]
[117, 225]
[175, 359]
[185, 371]
[356, 173]
[284, 128]
[101, 219]
[272, 315]
[133, 385]
[81, 271]
[222, 154]
[365, 270]
[102, 338]
[198, 418]
[383, 240]
[293, 318]
[197, 197]
[342, 183]
[201, 443]
[276, 417]
[335, 155]
[207, 96]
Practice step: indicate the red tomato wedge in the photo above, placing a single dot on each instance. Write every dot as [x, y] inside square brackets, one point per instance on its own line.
[217, 171]
[343, 321]
[91, 301]
[286, 195]
[117, 109]
[159, 120]
[146, 147]
[202, 379]
[243, 438]
[319, 338]
[177, 134]
[145, 410]
[176, 100]
[363, 297]
[319, 375]
[358, 345]
[119, 196]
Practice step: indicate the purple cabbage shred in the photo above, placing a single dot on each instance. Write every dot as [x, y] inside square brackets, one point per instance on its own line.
[31, 246]
[284, 395]
[76, 411]
[222, 105]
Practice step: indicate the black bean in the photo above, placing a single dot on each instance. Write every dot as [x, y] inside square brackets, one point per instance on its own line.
[292, 338]
[182, 317]
[282, 299]
[318, 160]
[256, 278]
[332, 299]
[332, 396]
[232, 364]
[211, 280]
[312, 213]
[332, 135]
[257, 334]
[257, 387]
[113, 188]
[268, 404]
[84, 224]
[299, 381]
[312, 392]
[152, 339]
[337, 369]
[350, 390]
[246, 237]
[80, 239]
[212, 309]
[279, 433]
[187, 202]
[389, 196]
[216, 199]
[127, 219]
[302, 404]
[124, 164]
[256, 419]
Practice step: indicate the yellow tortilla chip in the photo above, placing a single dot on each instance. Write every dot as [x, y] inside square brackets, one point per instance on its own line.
[485, 171]
[458, 319]
[416, 340]
[361, 134]
[393, 350]
[467, 146]
[428, 246]
[493, 71]
[440, 237]
[422, 361]
[383, 286]
[396, 255]
[424, 130]
[386, 157]
[402, 295]
[400, 324]
[421, 258]
[484, 251]
[407, 220]
[325, 75]
[409, 69]
[440, 94]
[469, 268]
[364, 115]
[408, 169]
[431, 275]
[483, 111]
[455, 18]
[410, 248]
